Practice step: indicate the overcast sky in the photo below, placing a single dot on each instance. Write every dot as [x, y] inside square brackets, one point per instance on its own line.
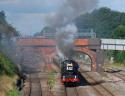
[28, 16]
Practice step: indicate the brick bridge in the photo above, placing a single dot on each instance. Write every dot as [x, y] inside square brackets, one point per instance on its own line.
[91, 47]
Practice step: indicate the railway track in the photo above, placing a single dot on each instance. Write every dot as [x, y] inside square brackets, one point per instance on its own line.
[35, 88]
[100, 89]
[98, 85]
[119, 75]
[71, 91]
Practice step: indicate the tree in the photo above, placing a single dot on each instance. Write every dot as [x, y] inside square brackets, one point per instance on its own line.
[6, 30]
[119, 32]
[45, 30]
[102, 20]
[2, 17]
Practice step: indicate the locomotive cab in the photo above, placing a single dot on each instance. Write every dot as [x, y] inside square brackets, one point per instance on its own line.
[69, 71]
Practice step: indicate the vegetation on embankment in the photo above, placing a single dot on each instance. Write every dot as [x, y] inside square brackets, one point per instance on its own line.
[115, 65]
[6, 66]
[8, 77]
[8, 86]
[8, 74]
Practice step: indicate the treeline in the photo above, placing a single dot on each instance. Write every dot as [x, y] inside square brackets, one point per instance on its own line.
[103, 21]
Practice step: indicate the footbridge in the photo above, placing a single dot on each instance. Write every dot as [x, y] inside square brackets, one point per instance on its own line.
[113, 44]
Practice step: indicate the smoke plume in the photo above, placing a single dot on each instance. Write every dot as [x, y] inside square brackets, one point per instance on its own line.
[65, 38]
[62, 21]
[69, 10]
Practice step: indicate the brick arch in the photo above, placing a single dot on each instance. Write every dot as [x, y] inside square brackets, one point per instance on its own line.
[91, 54]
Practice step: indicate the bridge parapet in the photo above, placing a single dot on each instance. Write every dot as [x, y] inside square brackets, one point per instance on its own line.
[93, 43]
[87, 43]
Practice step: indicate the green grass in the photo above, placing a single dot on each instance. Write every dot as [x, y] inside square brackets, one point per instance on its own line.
[52, 79]
[13, 93]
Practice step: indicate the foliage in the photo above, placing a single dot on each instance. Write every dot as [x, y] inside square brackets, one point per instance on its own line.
[119, 56]
[51, 80]
[2, 18]
[119, 32]
[13, 93]
[45, 30]
[6, 30]
[6, 66]
[103, 21]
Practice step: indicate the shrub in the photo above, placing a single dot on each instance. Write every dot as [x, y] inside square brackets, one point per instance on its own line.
[6, 66]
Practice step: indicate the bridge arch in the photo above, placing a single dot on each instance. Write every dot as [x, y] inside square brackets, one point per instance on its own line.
[91, 54]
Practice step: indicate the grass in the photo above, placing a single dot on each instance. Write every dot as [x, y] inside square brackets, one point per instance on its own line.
[8, 86]
[115, 65]
[51, 80]
[13, 92]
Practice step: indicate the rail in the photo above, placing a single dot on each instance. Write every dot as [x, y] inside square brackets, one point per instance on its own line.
[39, 88]
[100, 89]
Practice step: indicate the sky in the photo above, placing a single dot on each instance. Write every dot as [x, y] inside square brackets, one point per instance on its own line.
[28, 16]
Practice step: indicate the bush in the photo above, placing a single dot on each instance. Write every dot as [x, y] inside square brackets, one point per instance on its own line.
[6, 66]
[119, 56]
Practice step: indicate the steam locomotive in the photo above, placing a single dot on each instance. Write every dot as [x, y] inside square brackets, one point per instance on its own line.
[69, 71]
